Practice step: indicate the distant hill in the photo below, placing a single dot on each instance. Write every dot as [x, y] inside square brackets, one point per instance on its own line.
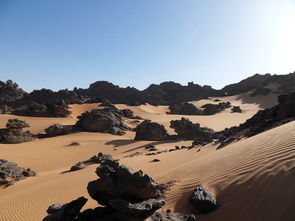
[157, 94]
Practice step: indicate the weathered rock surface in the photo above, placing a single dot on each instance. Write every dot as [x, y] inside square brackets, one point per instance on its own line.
[202, 200]
[14, 133]
[102, 120]
[10, 173]
[185, 129]
[148, 130]
[57, 129]
[184, 108]
[5, 109]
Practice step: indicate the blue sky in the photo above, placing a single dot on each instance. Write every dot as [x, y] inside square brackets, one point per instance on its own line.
[65, 43]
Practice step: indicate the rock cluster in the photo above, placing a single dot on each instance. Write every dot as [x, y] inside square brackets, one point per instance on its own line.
[13, 133]
[184, 108]
[102, 120]
[11, 173]
[185, 129]
[148, 130]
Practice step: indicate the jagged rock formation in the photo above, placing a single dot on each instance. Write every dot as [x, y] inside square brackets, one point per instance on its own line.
[184, 108]
[102, 120]
[202, 200]
[57, 129]
[13, 132]
[210, 109]
[185, 129]
[5, 109]
[169, 216]
[148, 130]
[11, 173]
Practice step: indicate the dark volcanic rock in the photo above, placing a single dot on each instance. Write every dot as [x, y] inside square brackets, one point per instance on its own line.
[210, 109]
[14, 133]
[10, 92]
[184, 108]
[96, 159]
[57, 129]
[236, 109]
[16, 124]
[185, 129]
[102, 120]
[203, 200]
[66, 212]
[11, 173]
[148, 130]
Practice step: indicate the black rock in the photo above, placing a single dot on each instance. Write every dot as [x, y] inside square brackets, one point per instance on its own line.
[184, 108]
[148, 130]
[202, 200]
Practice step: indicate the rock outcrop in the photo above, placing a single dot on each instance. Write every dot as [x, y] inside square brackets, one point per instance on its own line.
[185, 129]
[13, 133]
[202, 200]
[184, 108]
[148, 130]
[102, 120]
[10, 173]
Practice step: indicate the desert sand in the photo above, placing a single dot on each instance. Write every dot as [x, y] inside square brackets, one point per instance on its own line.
[252, 178]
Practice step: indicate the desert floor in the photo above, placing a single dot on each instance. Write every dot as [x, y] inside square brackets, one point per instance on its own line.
[253, 179]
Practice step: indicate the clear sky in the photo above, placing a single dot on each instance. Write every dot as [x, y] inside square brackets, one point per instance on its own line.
[65, 43]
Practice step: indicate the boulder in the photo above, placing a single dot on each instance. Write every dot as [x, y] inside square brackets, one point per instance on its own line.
[56, 130]
[202, 200]
[210, 109]
[132, 193]
[169, 216]
[102, 120]
[185, 129]
[148, 130]
[66, 212]
[10, 173]
[184, 108]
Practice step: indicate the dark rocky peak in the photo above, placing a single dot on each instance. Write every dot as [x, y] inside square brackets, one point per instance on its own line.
[10, 92]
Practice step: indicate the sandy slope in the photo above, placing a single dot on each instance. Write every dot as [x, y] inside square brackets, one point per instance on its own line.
[253, 178]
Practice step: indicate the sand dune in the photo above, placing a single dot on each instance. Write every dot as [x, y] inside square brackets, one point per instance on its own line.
[251, 178]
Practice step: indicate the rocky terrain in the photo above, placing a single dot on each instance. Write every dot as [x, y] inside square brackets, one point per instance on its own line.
[10, 173]
[125, 195]
[46, 102]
